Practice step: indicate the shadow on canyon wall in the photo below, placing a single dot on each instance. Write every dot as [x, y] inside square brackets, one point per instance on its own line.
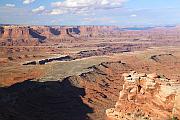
[54, 100]
[37, 35]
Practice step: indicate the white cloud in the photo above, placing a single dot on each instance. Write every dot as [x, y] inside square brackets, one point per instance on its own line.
[89, 3]
[40, 9]
[10, 5]
[79, 6]
[57, 12]
[99, 20]
[133, 15]
[28, 1]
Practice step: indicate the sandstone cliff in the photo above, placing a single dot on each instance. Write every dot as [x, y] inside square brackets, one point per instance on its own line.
[19, 35]
[35, 35]
[147, 97]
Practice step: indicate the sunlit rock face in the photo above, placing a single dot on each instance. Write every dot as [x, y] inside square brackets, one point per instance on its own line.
[17, 35]
[33, 35]
[147, 96]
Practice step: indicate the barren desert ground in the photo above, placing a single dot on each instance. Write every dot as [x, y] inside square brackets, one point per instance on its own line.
[74, 73]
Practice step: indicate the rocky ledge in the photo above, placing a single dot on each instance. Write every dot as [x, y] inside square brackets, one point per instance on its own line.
[147, 96]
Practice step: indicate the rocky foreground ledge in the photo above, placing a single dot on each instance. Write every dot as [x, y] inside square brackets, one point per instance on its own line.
[147, 96]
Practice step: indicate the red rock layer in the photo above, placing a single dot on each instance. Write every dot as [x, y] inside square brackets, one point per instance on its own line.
[147, 97]
[34, 35]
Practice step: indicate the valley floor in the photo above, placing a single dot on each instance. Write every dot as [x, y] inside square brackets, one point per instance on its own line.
[97, 79]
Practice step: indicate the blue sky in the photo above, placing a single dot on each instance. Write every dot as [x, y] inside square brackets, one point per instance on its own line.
[90, 12]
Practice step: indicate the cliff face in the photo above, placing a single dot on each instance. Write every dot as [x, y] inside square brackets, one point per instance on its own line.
[34, 35]
[15, 32]
[146, 97]
[13, 35]
[95, 31]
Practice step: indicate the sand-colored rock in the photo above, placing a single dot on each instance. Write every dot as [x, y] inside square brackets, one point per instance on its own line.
[152, 76]
[13, 35]
[123, 95]
[176, 108]
[146, 97]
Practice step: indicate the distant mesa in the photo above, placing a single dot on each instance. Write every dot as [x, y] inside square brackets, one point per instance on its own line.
[15, 35]
[34, 35]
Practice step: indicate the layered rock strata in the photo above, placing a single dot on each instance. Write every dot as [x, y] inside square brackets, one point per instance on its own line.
[147, 96]
[15, 35]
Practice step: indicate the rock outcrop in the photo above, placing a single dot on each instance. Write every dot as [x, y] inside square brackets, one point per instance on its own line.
[19, 35]
[33, 35]
[15, 35]
[147, 96]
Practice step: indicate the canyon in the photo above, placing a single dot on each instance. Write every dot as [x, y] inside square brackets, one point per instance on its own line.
[88, 73]
[36, 35]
